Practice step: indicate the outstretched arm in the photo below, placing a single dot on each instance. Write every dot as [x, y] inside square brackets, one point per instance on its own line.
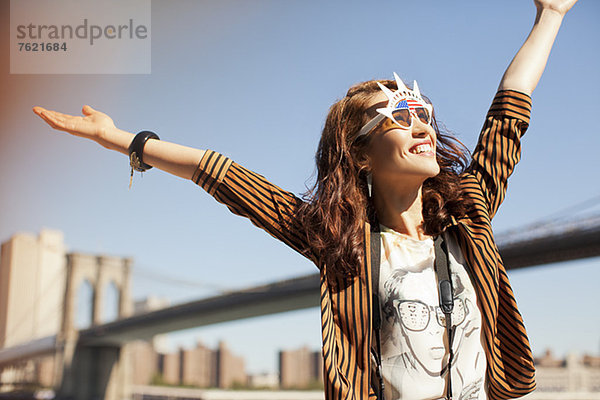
[243, 191]
[173, 158]
[525, 70]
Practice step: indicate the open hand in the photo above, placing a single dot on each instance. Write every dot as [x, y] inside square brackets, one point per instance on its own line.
[91, 126]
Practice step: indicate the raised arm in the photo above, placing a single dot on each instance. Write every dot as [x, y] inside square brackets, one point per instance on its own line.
[499, 148]
[97, 126]
[526, 68]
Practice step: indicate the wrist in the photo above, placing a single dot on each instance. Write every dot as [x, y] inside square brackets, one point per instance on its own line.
[116, 139]
[548, 14]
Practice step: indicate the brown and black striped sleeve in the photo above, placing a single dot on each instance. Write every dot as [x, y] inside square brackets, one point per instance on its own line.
[499, 148]
[250, 195]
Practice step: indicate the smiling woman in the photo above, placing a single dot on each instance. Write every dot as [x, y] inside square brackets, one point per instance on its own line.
[397, 203]
[382, 156]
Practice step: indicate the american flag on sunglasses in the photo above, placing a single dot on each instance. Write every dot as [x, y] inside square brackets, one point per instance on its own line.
[409, 104]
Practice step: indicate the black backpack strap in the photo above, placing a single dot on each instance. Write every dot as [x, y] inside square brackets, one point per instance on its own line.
[375, 247]
[442, 268]
[442, 271]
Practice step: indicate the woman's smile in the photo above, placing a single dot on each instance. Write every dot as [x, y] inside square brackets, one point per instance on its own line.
[424, 148]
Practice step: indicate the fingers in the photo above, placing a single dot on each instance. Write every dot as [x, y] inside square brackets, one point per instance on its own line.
[45, 115]
[87, 110]
[38, 109]
[88, 126]
[42, 112]
[61, 115]
[56, 119]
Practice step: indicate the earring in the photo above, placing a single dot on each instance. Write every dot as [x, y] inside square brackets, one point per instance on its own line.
[370, 183]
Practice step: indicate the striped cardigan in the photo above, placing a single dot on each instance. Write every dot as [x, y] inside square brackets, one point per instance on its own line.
[346, 305]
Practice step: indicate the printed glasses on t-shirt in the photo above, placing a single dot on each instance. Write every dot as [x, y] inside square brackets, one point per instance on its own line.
[415, 315]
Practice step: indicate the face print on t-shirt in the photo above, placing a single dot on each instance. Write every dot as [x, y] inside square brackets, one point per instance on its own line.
[422, 324]
[414, 340]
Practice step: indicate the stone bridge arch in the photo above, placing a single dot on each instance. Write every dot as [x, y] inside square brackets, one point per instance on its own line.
[100, 271]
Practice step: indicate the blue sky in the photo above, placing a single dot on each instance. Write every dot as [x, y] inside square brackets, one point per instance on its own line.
[254, 80]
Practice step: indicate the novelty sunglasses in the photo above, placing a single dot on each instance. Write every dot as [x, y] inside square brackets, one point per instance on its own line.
[402, 117]
[403, 105]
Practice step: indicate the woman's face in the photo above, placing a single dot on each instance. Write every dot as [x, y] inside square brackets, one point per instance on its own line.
[397, 153]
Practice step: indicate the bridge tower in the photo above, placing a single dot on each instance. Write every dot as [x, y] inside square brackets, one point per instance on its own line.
[99, 271]
[99, 371]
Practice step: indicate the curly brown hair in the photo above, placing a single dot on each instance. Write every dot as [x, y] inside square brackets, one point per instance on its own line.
[336, 207]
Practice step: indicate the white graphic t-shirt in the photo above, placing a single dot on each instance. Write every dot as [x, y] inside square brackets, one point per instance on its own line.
[414, 341]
